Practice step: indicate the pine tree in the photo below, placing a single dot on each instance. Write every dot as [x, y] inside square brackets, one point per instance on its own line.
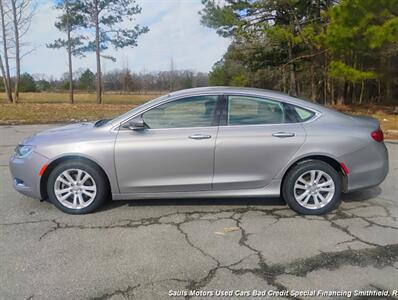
[67, 23]
[105, 18]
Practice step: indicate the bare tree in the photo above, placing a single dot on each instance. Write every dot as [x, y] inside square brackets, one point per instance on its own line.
[125, 77]
[5, 68]
[68, 31]
[3, 73]
[172, 75]
[21, 14]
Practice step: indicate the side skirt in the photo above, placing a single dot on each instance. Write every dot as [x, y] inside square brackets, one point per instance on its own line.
[271, 190]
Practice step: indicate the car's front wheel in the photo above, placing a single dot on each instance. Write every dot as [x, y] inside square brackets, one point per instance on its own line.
[312, 187]
[77, 187]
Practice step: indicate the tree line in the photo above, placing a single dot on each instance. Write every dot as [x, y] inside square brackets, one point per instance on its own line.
[342, 52]
[330, 51]
[119, 80]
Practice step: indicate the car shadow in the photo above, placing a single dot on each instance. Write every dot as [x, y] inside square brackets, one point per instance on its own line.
[362, 195]
[244, 201]
[357, 196]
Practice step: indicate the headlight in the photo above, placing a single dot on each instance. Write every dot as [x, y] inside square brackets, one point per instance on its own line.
[23, 150]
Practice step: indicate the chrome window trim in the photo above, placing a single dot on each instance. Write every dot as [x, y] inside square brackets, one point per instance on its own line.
[170, 98]
[317, 114]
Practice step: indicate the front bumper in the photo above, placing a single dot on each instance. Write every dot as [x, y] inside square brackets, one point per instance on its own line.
[25, 173]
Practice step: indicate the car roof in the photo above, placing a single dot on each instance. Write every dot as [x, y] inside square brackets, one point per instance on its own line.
[223, 89]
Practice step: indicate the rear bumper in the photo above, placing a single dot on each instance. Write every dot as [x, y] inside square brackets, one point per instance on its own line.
[25, 174]
[368, 166]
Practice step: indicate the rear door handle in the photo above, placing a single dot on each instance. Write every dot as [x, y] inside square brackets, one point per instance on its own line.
[199, 136]
[283, 134]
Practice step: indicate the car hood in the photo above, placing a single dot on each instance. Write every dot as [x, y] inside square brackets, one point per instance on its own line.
[63, 132]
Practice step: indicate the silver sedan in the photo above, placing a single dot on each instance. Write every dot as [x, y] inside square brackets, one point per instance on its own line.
[206, 142]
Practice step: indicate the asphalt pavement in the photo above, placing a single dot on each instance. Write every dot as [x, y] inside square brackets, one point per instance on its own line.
[163, 249]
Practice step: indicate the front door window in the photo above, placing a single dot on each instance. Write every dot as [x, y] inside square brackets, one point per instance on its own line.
[195, 111]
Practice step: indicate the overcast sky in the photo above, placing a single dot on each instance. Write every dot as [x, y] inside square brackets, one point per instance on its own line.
[175, 33]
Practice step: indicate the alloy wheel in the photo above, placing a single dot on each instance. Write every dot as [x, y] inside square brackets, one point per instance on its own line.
[314, 189]
[75, 188]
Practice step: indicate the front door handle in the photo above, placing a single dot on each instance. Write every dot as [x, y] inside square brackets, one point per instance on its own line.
[199, 136]
[283, 134]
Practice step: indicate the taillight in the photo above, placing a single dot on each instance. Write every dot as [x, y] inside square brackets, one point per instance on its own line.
[345, 169]
[377, 135]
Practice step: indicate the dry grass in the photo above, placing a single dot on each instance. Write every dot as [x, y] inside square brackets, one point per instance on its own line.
[54, 108]
[31, 113]
[111, 98]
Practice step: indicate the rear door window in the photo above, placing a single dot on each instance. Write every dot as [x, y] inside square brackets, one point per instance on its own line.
[245, 110]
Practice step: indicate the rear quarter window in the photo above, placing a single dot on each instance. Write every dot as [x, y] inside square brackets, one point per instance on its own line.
[297, 114]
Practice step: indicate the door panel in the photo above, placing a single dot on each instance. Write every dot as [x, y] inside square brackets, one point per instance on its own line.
[165, 160]
[250, 148]
[176, 150]
[250, 156]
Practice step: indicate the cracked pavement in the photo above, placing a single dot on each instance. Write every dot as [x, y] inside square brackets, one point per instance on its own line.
[144, 249]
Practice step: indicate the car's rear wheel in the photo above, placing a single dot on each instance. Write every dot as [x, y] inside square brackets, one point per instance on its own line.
[77, 187]
[312, 187]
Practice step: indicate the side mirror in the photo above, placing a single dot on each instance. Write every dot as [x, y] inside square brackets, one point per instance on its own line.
[135, 124]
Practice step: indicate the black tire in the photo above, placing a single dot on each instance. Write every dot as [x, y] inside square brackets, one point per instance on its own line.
[94, 171]
[301, 168]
